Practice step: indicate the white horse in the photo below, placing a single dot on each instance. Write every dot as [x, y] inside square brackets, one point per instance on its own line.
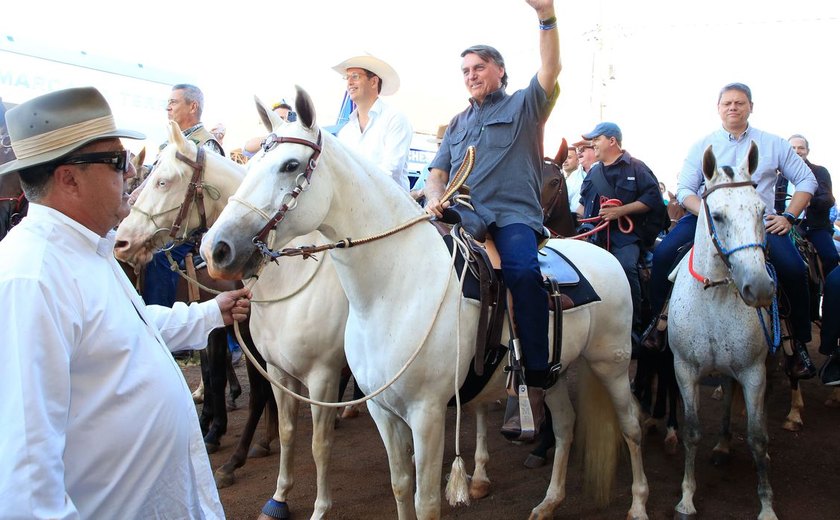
[714, 326]
[299, 311]
[407, 314]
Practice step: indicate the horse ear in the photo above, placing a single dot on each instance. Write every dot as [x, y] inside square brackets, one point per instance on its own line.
[141, 157]
[562, 153]
[176, 137]
[752, 158]
[264, 112]
[709, 163]
[305, 108]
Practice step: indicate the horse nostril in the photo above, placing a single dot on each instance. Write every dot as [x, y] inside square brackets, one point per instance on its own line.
[221, 252]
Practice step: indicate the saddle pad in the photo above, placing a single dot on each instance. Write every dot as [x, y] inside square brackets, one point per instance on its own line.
[572, 283]
[554, 265]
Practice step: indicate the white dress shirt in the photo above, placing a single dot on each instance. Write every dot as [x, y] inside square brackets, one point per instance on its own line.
[97, 420]
[385, 142]
[573, 182]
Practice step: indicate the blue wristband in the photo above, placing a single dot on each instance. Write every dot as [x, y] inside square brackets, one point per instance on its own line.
[789, 216]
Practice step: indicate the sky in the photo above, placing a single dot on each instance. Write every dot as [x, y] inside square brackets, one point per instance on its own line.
[653, 67]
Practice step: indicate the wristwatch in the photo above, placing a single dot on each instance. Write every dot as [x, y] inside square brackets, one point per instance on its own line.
[790, 218]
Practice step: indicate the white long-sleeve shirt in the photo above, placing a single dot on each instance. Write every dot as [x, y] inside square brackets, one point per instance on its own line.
[385, 142]
[97, 420]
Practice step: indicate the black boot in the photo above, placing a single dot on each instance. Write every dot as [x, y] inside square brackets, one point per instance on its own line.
[830, 371]
[799, 365]
[512, 427]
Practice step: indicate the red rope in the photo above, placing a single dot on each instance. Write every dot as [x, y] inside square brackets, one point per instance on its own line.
[625, 223]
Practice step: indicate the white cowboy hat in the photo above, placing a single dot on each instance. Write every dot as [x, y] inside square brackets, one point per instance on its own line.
[51, 126]
[386, 73]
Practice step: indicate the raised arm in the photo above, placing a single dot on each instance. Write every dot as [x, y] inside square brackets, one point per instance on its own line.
[549, 44]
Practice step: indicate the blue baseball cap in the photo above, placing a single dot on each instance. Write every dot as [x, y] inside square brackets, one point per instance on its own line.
[605, 129]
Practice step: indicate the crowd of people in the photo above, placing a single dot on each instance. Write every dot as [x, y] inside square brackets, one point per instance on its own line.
[85, 356]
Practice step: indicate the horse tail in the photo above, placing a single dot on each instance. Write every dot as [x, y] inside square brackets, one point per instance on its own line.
[598, 435]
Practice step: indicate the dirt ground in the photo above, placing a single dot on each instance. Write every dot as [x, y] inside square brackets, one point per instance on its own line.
[804, 467]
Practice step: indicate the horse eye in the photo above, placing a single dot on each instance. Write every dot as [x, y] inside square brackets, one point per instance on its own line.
[718, 217]
[291, 166]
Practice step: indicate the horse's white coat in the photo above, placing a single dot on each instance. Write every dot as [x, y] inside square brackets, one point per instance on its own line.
[299, 345]
[402, 291]
[714, 329]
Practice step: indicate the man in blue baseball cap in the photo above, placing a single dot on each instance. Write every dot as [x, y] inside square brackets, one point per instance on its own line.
[620, 189]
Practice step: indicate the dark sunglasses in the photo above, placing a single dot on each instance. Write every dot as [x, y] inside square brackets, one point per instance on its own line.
[119, 160]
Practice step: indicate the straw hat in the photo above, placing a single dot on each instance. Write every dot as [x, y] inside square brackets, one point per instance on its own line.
[389, 77]
[48, 127]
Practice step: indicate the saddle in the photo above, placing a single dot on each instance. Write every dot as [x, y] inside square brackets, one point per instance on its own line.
[566, 286]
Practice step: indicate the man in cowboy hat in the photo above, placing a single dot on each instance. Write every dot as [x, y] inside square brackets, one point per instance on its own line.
[97, 418]
[379, 132]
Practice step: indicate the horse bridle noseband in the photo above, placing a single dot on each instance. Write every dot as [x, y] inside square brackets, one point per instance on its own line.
[726, 253]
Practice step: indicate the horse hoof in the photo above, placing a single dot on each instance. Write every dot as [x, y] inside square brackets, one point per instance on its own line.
[792, 426]
[720, 458]
[350, 412]
[258, 451]
[684, 516]
[534, 461]
[223, 479]
[479, 489]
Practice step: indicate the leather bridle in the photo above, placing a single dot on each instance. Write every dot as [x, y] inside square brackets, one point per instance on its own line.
[290, 199]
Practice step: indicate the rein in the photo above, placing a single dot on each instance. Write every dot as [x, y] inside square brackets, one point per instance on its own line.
[625, 223]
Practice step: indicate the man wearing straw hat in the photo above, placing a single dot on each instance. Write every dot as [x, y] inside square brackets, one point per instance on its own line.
[97, 418]
[376, 130]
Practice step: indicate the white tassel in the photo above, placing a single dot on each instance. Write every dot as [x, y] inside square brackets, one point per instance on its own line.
[457, 489]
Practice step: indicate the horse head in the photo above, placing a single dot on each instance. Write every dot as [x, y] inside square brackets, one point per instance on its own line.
[731, 227]
[180, 188]
[277, 175]
[554, 199]
[301, 180]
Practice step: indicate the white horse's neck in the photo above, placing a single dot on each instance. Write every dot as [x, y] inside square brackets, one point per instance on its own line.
[366, 203]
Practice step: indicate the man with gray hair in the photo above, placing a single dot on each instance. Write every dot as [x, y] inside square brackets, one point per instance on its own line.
[185, 106]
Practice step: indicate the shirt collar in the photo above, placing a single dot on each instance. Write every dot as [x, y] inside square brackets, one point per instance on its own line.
[493, 97]
[189, 131]
[104, 246]
[735, 137]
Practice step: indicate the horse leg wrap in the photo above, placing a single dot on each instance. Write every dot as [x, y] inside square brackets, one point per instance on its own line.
[276, 509]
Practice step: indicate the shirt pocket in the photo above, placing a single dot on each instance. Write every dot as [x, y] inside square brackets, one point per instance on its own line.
[626, 189]
[498, 132]
[457, 144]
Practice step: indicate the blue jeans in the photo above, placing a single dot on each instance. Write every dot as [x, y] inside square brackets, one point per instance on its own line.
[628, 257]
[664, 257]
[517, 246]
[830, 333]
[823, 240]
[781, 253]
[161, 282]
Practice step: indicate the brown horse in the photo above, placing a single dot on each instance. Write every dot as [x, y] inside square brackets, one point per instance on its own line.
[13, 204]
[554, 197]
